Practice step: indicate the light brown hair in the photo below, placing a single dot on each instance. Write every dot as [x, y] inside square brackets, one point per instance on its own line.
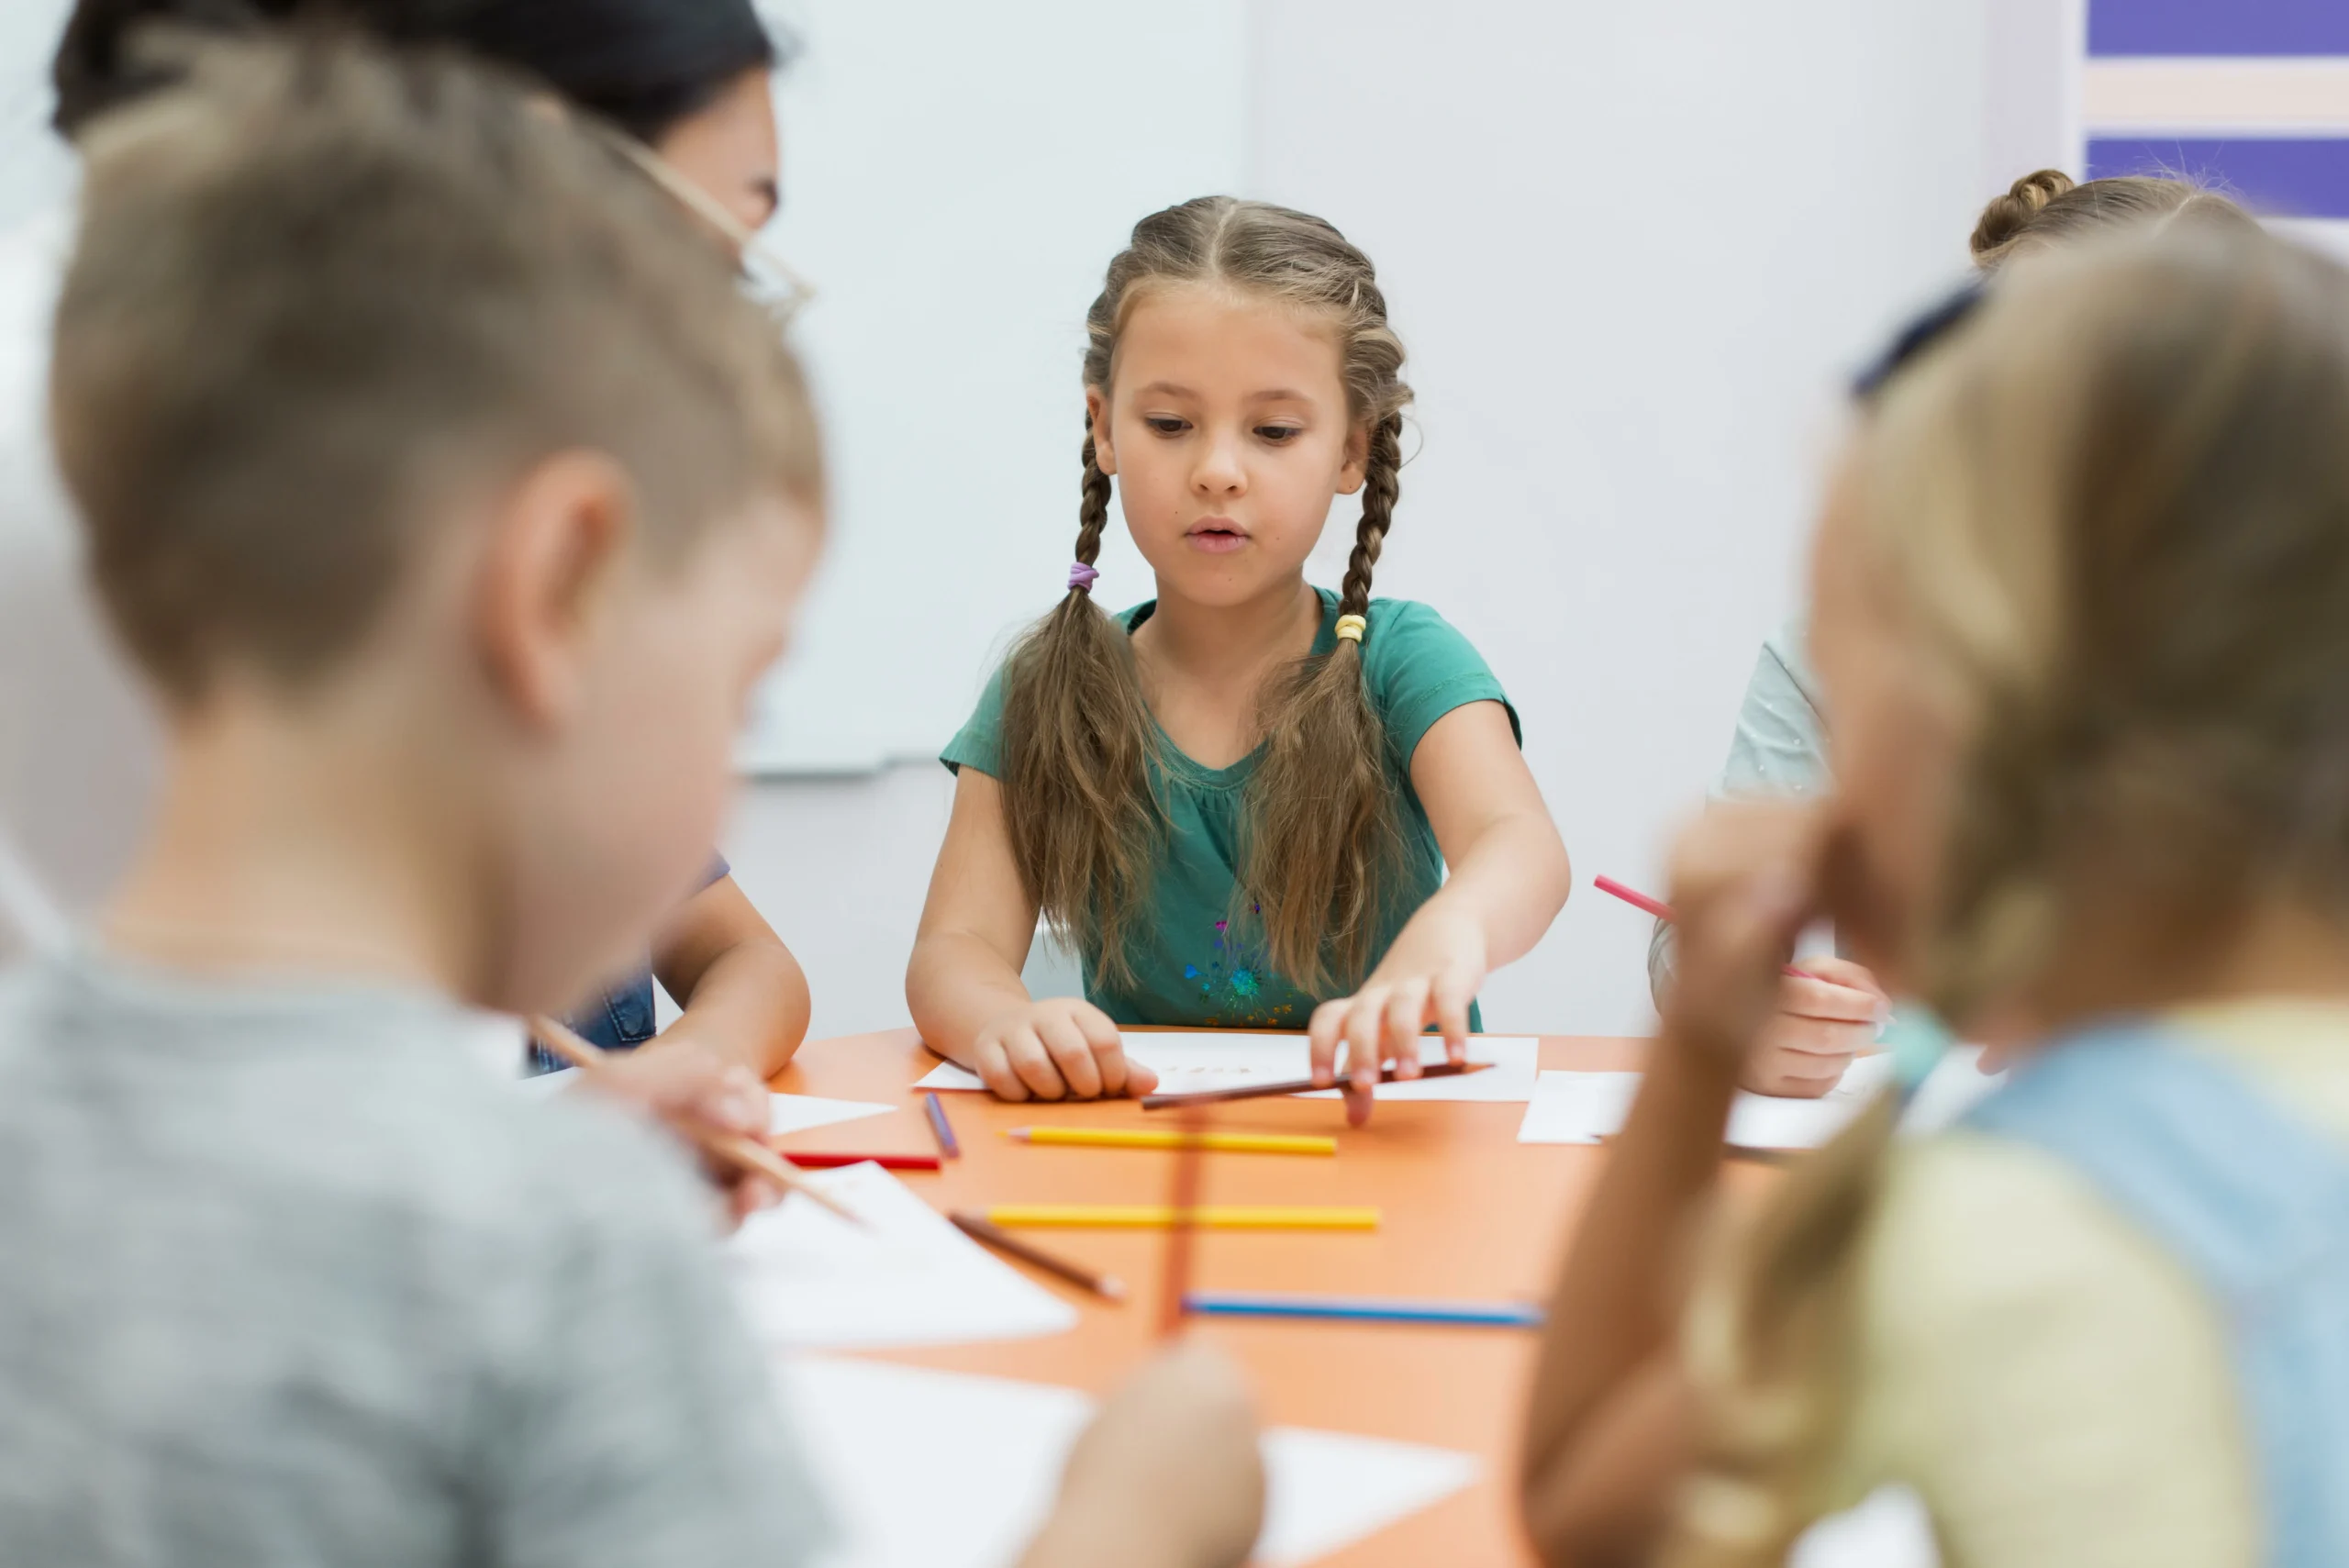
[319, 287]
[2047, 206]
[1078, 740]
[2118, 507]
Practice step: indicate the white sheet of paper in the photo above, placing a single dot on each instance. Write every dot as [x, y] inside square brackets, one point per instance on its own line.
[797, 1113]
[808, 1279]
[1009, 1440]
[1890, 1528]
[543, 1086]
[786, 1113]
[1192, 1063]
[1584, 1107]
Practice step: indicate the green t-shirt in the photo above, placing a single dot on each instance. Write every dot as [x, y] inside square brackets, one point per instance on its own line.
[1185, 972]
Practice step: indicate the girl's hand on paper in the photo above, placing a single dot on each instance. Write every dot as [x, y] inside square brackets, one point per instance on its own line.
[1822, 1023]
[1744, 880]
[673, 1078]
[1168, 1475]
[1057, 1049]
[1429, 976]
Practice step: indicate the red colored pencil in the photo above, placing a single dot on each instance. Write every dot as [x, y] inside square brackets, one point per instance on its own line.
[886, 1162]
[1663, 911]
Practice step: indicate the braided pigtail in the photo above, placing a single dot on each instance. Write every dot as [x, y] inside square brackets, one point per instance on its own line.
[1322, 831]
[1076, 738]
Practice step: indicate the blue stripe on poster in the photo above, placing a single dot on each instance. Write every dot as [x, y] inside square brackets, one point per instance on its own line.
[2218, 27]
[2286, 178]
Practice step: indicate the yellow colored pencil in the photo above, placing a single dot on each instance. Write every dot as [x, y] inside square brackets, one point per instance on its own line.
[1161, 1217]
[1152, 1138]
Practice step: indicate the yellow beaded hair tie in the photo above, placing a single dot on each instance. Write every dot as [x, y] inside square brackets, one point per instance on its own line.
[1351, 628]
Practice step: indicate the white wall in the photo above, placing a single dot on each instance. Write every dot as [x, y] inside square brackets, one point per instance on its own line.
[33, 166]
[954, 208]
[1633, 249]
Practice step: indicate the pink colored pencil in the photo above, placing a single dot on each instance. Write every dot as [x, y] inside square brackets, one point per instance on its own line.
[1663, 911]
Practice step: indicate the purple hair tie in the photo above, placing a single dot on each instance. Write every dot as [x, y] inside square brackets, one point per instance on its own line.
[1082, 576]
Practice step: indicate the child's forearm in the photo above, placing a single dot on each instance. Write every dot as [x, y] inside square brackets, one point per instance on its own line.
[956, 985]
[1510, 882]
[750, 1006]
[1604, 1366]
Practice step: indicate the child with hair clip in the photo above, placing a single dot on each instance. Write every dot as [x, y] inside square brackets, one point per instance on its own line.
[1832, 1012]
[450, 499]
[2082, 614]
[684, 87]
[1241, 798]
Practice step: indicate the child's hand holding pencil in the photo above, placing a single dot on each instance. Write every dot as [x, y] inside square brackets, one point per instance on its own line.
[738, 1159]
[685, 1081]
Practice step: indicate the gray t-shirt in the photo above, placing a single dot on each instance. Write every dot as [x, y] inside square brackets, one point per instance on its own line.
[288, 1277]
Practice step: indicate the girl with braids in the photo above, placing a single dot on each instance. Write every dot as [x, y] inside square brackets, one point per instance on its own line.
[1239, 797]
[1831, 1013]
[2083, 617]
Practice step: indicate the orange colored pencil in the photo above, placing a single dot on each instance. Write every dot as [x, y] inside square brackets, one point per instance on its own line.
[1175, 1277]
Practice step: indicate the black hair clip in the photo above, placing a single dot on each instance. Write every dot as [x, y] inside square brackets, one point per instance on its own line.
[1913, 340]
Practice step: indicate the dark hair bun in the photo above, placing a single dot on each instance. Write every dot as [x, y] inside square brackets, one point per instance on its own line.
[2010, 214]
[643, 64]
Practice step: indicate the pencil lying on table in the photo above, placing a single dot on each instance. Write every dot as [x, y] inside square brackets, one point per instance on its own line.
[1366, 1310]
[1162, 1216]
[886, 1162]
[1302, 1086]
[978, 1228]
[949, 1148]
[737, 1149]
[1152, 1138]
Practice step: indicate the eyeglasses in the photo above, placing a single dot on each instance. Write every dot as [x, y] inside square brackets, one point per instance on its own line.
[768, 280]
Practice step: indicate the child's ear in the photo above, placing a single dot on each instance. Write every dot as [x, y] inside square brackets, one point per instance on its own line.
[1096, 414]
[1350, 475]
[556, 541]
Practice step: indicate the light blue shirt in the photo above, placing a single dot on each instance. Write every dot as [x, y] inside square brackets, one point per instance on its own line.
[1780, 748]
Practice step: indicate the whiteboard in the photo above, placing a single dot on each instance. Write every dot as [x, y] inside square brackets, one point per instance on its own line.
[956, 177]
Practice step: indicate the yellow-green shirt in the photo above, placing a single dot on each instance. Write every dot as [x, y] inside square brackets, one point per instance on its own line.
[2056, 1387]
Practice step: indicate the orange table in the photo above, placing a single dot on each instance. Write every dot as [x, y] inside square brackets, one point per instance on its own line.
[1469, 1213]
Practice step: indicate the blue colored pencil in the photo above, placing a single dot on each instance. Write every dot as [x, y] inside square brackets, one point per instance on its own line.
[1366, 1310]
[942, 1130]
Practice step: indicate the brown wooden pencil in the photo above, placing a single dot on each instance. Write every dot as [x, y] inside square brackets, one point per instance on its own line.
[1301, 1086]
[738, 1149]
[979, 1228]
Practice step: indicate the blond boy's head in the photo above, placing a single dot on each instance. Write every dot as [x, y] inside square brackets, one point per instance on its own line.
[321, 290]
[404, 413]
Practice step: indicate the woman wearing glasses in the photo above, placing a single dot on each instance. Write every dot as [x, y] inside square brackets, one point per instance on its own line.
[683, 86]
